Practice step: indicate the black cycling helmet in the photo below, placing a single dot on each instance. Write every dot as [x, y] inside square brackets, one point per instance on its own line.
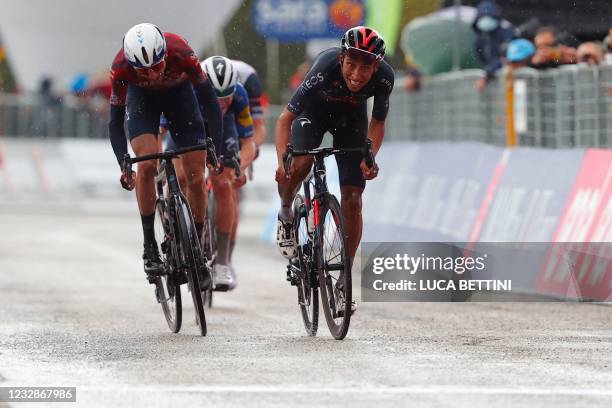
[363, 42]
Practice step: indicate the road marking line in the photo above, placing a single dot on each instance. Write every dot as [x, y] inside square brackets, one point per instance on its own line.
[317, 389]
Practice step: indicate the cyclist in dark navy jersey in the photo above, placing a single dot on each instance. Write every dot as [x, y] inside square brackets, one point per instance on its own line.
[332, 97]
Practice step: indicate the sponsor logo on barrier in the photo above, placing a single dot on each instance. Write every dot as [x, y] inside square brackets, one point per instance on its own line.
[582, 266]
[429, 192]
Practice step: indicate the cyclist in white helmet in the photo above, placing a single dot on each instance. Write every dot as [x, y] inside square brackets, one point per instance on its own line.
[237, 147]
[155, 73]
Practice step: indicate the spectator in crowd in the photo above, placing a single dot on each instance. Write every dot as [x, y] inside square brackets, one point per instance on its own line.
[519, 53]
[549, 53]
[607, 43]
[492, 34]
[590, 53]
[412, 80]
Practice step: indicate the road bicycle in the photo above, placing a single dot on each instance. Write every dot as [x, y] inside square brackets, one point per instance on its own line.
[181, 253]
[323, 261]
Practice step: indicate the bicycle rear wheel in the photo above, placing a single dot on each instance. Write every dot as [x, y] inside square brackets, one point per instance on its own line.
[209, 244]
[191, 257]
[308, 291]
[335, 269]
[168, 290]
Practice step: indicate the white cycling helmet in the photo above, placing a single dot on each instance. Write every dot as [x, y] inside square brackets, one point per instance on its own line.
[222, 73]
[144, 45]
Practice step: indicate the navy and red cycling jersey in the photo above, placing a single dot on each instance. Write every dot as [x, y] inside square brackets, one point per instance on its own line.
[324, 90]
[181, 64]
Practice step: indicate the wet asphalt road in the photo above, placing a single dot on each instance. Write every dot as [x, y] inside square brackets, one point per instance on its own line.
[76, 311]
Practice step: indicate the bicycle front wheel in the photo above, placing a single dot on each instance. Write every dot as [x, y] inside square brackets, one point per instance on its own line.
[334, 268]
[167, 288]
[308, 291]
[191, 255]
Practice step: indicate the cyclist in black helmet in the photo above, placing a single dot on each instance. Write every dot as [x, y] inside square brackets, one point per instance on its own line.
[332, 98]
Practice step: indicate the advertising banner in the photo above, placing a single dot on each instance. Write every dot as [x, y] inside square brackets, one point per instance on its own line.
[301, 20]
[427, 191]
[582, 266]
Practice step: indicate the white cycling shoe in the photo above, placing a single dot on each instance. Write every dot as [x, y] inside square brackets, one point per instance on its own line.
[222, 278]
[285, 239]
[234, 278]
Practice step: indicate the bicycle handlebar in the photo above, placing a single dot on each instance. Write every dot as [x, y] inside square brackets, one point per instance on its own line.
[290, 152]
[170, 154]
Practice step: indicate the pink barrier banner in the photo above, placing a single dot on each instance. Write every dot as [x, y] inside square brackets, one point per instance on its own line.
[581, 267]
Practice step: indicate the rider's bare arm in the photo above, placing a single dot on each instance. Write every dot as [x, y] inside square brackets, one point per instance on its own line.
[376, 132]
[247, 152]
[283, 133]
[259, 131]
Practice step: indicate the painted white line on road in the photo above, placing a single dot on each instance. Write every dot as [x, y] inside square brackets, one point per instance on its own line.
[324, 389]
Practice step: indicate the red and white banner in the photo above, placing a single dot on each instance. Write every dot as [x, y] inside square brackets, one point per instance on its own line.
[579, 264]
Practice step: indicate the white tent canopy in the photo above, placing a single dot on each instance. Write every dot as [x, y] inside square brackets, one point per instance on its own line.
[62, 38]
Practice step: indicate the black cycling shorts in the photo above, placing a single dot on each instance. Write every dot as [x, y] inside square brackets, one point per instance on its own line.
[348, 130]
[179, 105]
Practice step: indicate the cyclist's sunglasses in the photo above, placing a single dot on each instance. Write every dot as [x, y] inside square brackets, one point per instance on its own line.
[362, 55]
[157, 67]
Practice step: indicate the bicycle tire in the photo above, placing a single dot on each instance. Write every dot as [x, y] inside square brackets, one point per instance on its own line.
[308, 291]
[186, 229]
[167, 287]
[211, 240]
[334, 266]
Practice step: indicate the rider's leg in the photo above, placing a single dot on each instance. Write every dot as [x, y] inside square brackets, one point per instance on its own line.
[306, 133]
[178, 163]
[224, 213]
[350, 131]
[145, 183]
[289, 188]
[193, 167]
[351, 209]
[186, 125]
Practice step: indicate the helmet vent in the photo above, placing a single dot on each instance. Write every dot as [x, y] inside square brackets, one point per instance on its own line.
[144, 55]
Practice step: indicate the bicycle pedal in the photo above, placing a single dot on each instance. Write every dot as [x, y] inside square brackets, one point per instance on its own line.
[291, 278]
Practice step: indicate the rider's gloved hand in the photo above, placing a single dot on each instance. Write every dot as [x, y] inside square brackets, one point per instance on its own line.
[240, 181]
[369, 173]
[128, 177]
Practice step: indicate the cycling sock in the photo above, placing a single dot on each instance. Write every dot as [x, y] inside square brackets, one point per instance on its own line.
[231, 250]
[286, 212]
[148, 227]
[223, 242]
[199, 228]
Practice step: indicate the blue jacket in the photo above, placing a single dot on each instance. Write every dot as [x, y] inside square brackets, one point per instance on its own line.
[490, 45]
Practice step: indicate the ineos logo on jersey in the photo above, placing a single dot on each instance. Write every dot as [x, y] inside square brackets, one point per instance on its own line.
[304, 121]
[313, 80]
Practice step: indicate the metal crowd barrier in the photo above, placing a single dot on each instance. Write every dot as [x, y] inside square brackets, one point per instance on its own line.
[570, 106]
[33, 116]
